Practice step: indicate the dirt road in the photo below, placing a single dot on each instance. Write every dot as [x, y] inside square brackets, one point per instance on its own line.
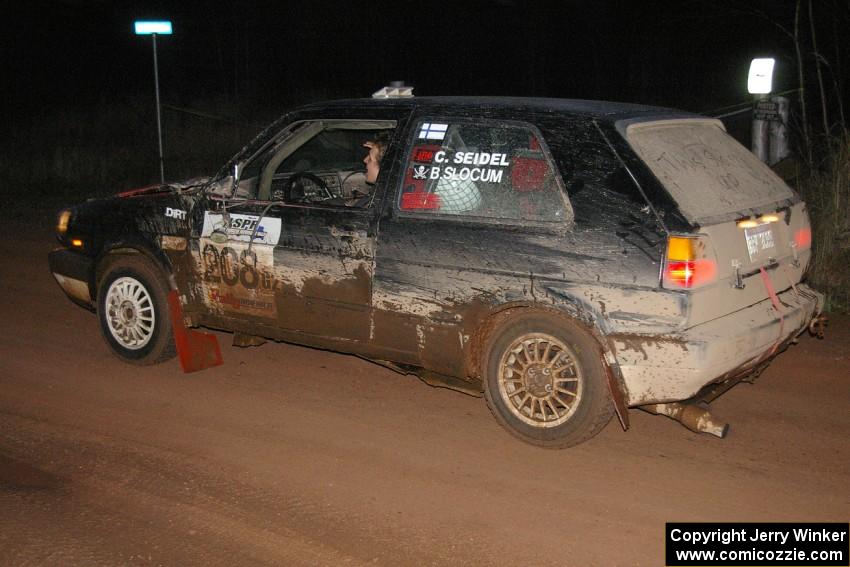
[290, 456]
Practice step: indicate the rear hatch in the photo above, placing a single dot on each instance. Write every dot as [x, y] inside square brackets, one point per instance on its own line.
[753, 232]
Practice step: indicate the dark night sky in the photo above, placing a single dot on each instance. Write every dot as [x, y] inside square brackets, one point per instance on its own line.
[269, 55]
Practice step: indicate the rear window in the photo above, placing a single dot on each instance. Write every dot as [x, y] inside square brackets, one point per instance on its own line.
[484, 170]
[710, 175]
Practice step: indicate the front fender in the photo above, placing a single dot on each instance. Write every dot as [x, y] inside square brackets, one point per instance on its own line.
[137, 243]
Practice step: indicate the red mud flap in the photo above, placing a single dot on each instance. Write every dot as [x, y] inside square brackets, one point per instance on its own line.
[197, 350]
[616, 396]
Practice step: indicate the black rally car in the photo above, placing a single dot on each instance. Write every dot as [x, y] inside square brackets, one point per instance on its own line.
[570, 259]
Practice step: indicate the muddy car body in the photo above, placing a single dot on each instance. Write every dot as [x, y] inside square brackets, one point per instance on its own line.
[569, 258]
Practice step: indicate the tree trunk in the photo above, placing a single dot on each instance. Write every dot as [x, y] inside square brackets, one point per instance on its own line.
[806, 138]
[837, 75]
[819, 72]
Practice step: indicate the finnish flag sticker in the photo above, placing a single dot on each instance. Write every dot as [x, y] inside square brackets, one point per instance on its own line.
[432, 131]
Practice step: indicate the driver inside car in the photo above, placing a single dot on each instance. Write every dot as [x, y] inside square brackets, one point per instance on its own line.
[376, 147]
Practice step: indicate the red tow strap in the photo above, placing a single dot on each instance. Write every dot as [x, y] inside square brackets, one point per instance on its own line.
[774, 299]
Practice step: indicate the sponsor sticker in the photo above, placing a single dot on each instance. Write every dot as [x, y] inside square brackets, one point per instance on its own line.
[178, 214]
[241, 227]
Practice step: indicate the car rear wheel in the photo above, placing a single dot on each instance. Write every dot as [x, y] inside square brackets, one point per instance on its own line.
[133, 311]
[544, 380]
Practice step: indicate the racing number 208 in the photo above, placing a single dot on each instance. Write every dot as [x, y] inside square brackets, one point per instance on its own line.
[232, 267]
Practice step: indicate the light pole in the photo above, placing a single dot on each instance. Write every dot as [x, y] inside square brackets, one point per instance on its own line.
[154, 28]
[759, 83]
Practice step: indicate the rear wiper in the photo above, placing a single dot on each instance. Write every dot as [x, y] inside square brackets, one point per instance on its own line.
[633, 178]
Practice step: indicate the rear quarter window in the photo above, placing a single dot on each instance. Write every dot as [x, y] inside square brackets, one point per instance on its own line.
[601, 191]
[492, 171]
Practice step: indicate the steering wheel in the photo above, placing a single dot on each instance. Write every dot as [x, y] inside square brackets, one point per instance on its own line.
[294, 190]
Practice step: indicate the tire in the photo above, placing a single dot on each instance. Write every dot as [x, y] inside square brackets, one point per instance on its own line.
[132, 306]
[545, 381]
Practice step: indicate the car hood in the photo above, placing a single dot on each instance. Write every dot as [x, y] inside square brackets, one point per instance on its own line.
[153, 210]
[170, 187]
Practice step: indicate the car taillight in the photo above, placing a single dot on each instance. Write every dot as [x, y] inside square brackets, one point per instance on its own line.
[803, 238]
[687, 264]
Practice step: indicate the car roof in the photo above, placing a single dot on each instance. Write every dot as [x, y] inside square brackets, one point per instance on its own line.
[606, 110]
[618, 113]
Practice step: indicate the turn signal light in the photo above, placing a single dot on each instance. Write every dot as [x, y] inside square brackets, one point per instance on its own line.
[62, 221]
[77, 243]
[687, 265]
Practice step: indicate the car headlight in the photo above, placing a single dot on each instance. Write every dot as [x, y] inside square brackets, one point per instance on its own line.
[62, 221]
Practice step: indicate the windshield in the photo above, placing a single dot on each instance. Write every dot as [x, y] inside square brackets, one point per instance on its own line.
[712, 177]
[222, 182]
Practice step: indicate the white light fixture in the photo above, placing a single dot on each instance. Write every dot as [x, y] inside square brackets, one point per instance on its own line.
[154, 28]
[148, 27]
[760, 80]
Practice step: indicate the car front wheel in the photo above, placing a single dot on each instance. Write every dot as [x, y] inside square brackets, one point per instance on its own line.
[545, 382]
[133, 311]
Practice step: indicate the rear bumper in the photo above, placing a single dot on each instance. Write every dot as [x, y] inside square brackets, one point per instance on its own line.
[675, 367]
[72, 271]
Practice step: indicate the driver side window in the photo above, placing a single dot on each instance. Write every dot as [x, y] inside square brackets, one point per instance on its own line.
[321, 163]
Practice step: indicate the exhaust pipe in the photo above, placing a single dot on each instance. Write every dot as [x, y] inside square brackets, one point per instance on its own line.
[692, 416]
[817, 326]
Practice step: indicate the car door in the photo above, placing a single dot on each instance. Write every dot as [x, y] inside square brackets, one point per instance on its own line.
[293, 251]
[478, 211]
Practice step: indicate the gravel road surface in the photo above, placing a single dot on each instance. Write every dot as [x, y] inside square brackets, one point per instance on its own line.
[291, 456]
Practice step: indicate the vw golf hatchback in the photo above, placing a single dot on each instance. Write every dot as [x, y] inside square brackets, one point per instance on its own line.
[567, 259]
